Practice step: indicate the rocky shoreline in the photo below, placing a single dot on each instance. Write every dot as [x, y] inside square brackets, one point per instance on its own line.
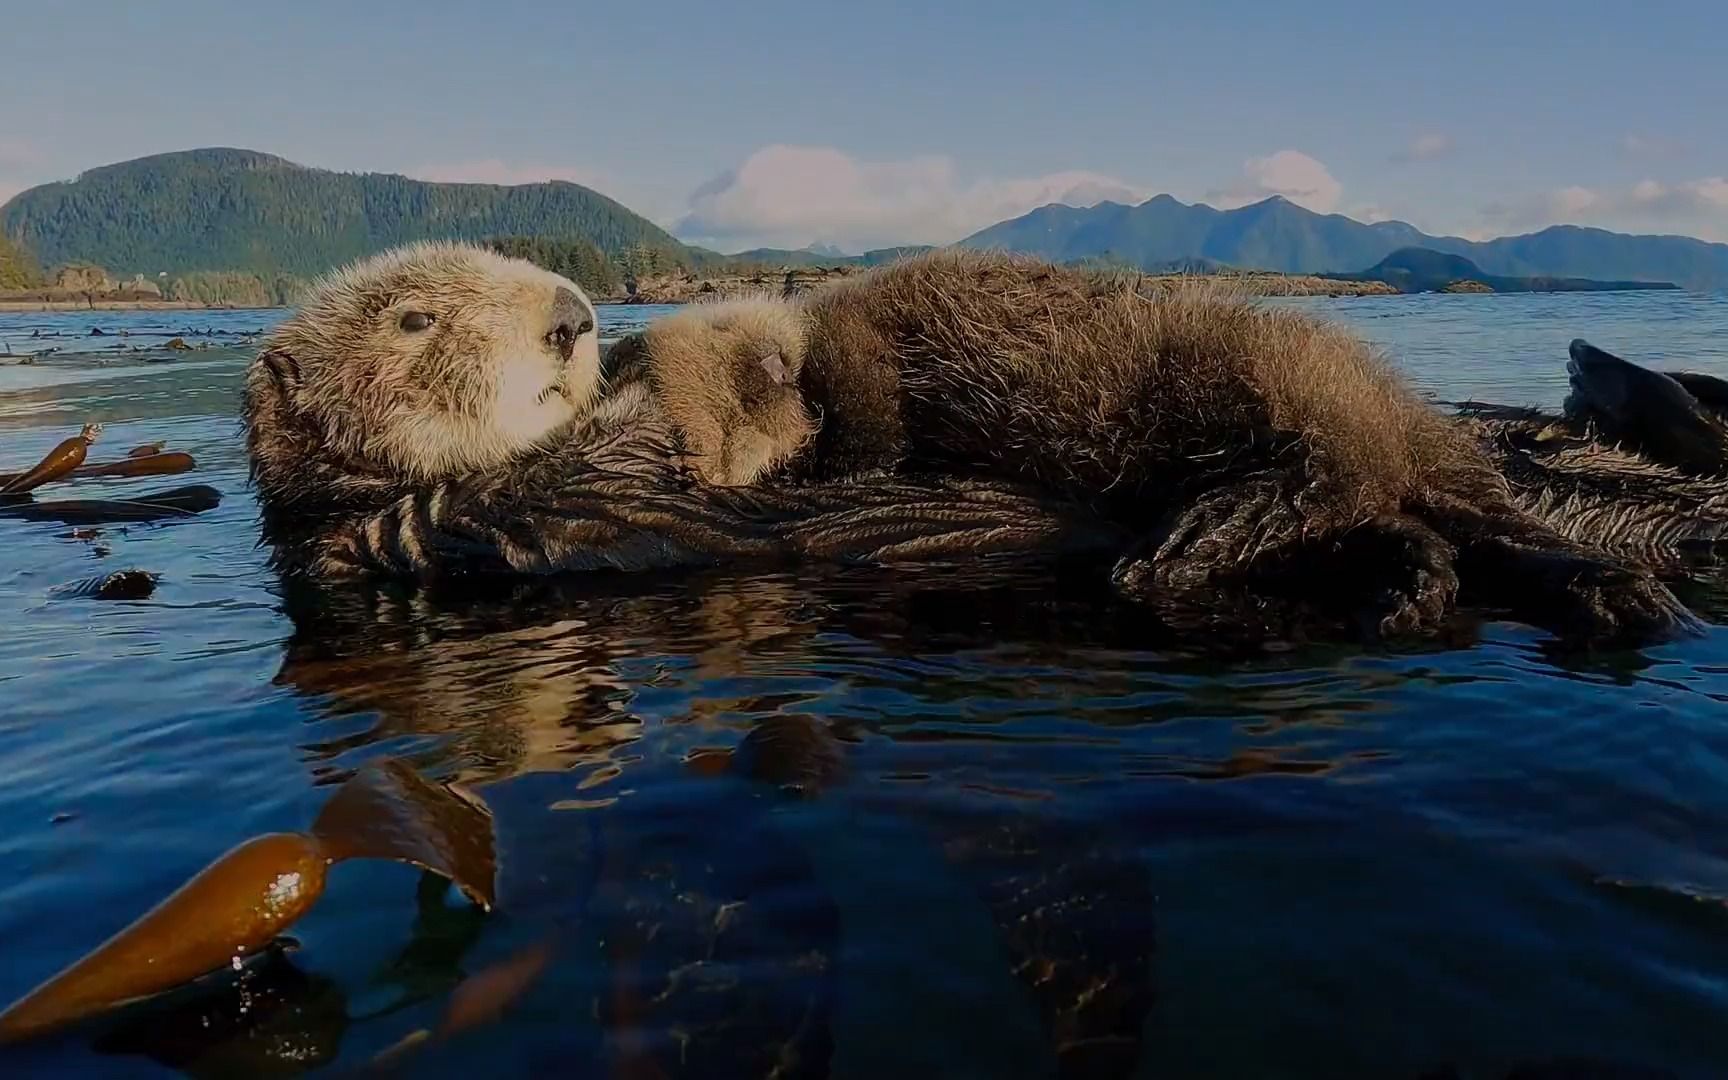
[692, 286]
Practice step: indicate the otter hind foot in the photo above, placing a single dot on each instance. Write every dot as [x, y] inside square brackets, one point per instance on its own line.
[1577, 594]
[1250, 555]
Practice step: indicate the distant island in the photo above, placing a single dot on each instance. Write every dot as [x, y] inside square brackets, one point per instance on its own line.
[224, 227]
[1414, 270]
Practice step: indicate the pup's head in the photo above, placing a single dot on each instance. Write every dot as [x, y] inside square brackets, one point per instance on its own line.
[755, 342]
[427, 361]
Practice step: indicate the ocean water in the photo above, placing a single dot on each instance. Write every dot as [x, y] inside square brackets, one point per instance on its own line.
[919, 822]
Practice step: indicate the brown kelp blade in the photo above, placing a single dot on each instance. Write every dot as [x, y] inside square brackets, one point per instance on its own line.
[389, 811]
[175, 503]
[167, 464]
[234, 907]
[240, 903]
[67, 455]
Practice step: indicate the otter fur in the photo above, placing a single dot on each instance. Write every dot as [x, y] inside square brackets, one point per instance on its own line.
[1233, 460]
[1254, 450]
[726, 375]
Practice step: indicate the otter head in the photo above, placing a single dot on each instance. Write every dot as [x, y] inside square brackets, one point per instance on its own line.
[423, 362]
[755, 343]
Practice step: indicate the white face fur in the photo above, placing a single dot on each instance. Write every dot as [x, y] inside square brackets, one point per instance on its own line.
[437, 359]
[532, 393]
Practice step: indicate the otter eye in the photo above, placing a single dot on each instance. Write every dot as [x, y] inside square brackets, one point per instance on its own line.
[586, 327]
[416, 321]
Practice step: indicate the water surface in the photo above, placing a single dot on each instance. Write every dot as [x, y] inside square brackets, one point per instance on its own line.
[902, 821]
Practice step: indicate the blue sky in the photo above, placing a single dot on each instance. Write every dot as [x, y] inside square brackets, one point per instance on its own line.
[871, 124]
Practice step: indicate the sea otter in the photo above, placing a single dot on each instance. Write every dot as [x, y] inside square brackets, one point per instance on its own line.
[352, 411]
[1636, 461]
[1232, 461]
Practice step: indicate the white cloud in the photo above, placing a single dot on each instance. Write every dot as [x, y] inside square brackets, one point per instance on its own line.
[1289, 173]
[1426, 147]
[791, 196]
[1690, 208]
[1639, 145]
[495, 171]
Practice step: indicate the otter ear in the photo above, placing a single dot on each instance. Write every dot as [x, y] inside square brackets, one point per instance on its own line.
[775, 366]
[282, 369]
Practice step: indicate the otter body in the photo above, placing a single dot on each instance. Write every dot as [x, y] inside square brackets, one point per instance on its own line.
[1229, 461]
[1256, 453]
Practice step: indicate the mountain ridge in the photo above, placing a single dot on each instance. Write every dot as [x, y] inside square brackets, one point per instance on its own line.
[234, 209]
[1277, 234]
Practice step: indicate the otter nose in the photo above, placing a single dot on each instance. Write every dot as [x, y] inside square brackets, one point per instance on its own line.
[570, 320]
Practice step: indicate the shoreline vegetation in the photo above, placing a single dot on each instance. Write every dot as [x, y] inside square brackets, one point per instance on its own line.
[679, 287]
[643, 276]
[688, 287]
[683, 287]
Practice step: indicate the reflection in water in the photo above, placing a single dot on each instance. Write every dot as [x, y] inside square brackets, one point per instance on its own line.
[720, 945]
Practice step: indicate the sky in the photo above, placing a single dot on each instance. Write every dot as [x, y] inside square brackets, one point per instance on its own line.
[871, 124]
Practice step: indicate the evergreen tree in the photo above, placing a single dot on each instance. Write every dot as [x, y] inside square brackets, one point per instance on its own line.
[18, 268]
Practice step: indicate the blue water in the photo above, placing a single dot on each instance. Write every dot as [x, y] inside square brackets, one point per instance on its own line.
[1326, 863]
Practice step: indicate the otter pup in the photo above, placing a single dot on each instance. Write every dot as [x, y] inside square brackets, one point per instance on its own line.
[726, 375]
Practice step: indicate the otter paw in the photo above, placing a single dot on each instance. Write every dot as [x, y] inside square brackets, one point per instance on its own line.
[1605, 602]
[1395, 573]
[1575, 593]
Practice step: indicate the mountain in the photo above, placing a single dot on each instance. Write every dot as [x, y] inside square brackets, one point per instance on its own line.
[1415, 269]
[1276, 234]
[227, 209]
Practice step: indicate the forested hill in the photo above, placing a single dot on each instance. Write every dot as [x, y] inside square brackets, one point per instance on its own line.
[226, 209]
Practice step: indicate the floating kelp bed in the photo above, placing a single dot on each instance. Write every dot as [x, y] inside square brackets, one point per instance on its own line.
[67, 462]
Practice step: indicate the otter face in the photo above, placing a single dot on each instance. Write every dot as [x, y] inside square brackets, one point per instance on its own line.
[437, 359]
